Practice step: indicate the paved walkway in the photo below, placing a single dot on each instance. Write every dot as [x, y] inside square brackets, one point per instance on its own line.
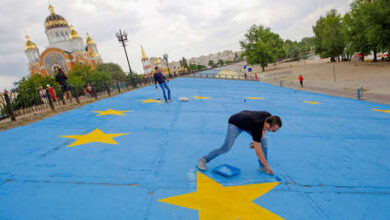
[137, 160]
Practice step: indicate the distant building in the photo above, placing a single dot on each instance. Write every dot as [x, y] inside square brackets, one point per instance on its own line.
[150, 63]
[227, 55]
[145, 62]
[66, 48]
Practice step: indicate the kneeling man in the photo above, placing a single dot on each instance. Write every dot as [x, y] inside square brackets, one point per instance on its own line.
[256, 123]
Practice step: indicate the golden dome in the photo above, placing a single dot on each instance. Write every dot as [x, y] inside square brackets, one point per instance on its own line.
[51, 8]
[73, 33]
[89, 40]
[94, 54]
[158, 61]
[29, 44]
[144, 57]
[55, 20]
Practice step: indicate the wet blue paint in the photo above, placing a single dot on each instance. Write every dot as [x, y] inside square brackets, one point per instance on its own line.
[332, 157]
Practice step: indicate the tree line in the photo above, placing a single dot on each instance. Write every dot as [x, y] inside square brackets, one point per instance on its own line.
[262, 46]
[78, 77]
[364, 29]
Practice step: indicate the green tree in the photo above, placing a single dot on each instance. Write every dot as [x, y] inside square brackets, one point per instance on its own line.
[201, 67]
[306, 46]
[113, 69]
[328, 36]
[82, 74]
[220, 62]
[355, 30]
[381, 28]
[367, 27]
[292, 49]
[27, 89]
[211, 63]
[193, 67]
[261, 46]
[184, 62]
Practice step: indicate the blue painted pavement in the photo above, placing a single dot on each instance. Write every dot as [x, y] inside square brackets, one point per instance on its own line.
[333, 157]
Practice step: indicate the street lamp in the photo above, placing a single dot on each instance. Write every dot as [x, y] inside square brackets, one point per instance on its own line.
[122, 38]
[165, 56]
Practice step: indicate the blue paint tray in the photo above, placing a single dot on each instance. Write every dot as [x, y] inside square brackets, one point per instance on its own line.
[226, 170]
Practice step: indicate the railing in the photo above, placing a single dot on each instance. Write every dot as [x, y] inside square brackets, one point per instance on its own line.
[277, 75]
[13, 105]
[250, 77]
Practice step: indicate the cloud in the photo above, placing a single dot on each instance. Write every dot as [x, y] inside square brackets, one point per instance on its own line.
[177, 27]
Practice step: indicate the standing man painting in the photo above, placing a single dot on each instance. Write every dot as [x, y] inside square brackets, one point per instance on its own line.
[256, 123]
[160, 78]
[61, 78]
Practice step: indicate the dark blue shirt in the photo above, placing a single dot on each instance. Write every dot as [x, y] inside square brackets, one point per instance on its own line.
[251, 121]
[61, 78]
[159, 77]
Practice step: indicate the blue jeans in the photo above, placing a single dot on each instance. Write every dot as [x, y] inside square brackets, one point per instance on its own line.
[232, 134]
[164, 86]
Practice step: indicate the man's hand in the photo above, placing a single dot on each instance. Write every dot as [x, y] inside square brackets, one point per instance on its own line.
[269, 171]
[260, 155]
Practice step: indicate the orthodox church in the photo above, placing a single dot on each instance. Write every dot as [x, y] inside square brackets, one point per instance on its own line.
[66, 48]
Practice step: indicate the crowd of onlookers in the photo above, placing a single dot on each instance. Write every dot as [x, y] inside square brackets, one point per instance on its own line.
[61, 79]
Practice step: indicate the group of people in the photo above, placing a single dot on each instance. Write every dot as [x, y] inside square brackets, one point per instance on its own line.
[62, 80]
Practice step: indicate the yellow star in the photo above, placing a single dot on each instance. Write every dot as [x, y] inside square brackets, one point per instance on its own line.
[215, 201]
[95, 136]
[378, 110]
[311, 102]
[200, 97]
[152, 100]
[110, 112]
[255, 98]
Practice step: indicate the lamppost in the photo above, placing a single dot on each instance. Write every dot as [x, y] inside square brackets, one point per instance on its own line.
[122, 38]
[165, 56]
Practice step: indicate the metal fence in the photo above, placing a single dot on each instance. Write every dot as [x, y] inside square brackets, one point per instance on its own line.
[220, 76]
[13, 105]
[277, 75]
[250, 77]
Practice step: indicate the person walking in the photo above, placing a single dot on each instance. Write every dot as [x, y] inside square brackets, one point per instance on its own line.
[160, 79]
[256, 123]
[301, 80]
[61, 78]
[89, 91]
[43, 95]
[52, 93]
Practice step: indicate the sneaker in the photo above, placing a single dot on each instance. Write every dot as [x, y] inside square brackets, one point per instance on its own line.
[202, 164]
[262, 169]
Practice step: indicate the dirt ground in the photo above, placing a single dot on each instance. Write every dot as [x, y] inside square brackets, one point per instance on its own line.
[340, 78]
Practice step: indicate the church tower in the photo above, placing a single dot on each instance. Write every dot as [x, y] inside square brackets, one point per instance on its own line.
[57, 31]
[75, 40]
[32, 53]
[92, 50]
[145, 62]
[66, 48]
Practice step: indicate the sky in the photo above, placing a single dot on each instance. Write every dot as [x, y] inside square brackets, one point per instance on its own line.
[177, 27]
